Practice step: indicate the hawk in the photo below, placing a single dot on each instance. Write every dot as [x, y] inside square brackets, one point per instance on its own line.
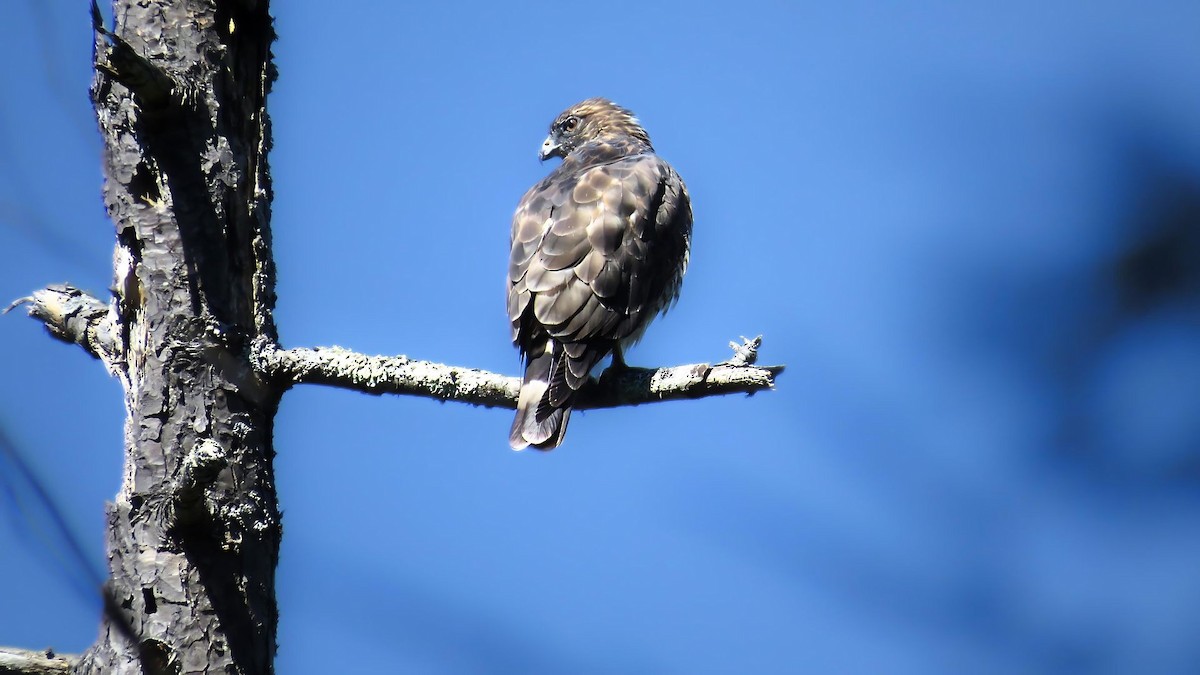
[599, 248]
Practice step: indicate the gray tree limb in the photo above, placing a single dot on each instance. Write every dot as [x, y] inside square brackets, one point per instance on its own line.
[15, 661]
[74, 316]
[347, 369]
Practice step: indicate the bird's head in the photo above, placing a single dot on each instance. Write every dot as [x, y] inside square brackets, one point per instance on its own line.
[590, 120]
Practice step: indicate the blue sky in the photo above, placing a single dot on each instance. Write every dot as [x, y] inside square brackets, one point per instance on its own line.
[982, 458]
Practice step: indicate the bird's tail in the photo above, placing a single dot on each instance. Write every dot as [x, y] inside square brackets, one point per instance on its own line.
[539, 422]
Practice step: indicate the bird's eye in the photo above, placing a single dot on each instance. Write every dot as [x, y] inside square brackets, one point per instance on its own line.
[570, 123]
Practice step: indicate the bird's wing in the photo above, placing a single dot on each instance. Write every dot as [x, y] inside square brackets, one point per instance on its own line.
[594, 257]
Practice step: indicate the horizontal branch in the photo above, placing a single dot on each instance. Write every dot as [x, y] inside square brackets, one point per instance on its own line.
[15, 661]
[620, 386]
[74, 316]
[347, 369]
[71, 315]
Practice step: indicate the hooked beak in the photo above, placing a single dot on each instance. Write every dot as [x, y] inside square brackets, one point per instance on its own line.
[550, 148]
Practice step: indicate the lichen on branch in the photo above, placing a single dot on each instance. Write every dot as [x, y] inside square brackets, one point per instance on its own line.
[74, 316]
[338, 367]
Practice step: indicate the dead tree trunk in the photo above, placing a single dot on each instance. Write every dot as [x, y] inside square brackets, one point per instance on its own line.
[193, 535]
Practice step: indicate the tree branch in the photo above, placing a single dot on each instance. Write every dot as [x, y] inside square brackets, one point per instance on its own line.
[71, 315]
[347, 369]
[15, 661]
[74, 316]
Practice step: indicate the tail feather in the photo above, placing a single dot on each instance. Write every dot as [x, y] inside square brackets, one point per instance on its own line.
[539, 422]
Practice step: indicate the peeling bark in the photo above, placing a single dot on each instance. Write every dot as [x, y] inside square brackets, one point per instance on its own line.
[193, 534]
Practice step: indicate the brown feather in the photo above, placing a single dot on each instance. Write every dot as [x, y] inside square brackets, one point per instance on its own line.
[599, 248]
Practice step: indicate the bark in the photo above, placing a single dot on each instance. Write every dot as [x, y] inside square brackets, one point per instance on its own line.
[621, 386]
[27, 662]
[193, 534]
